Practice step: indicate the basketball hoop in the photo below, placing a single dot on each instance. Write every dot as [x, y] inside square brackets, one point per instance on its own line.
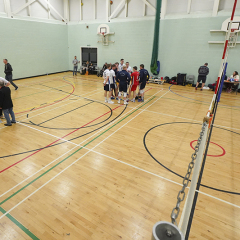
[232, 41]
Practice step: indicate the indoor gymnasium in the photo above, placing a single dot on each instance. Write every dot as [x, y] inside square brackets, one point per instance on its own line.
[119, 120]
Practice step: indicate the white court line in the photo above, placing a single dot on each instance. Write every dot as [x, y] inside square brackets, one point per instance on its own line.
[70, 149]
[78, 159]
[91, 150]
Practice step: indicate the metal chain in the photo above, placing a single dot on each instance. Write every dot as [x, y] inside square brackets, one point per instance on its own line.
[186, 179]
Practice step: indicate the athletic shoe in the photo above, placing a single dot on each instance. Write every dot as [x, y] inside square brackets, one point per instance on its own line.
[16, 88]
[7, 124]
[106, 100]
[195, 88]
[112, 97]
[133, 100]
[119, 101]
[125, 102]
[111, 102]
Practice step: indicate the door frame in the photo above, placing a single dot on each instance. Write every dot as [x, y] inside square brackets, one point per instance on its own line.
[81, 53]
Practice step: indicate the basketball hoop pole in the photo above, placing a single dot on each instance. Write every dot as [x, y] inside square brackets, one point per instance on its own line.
[222, 66]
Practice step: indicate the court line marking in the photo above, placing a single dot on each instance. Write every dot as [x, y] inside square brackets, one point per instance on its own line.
[78, 158]
[53, 101]
[64, 153]
[169, 115]
[117, 160]
[91, 150]
[85, 155]
[61, 138]
[48, 90]
[70, 102]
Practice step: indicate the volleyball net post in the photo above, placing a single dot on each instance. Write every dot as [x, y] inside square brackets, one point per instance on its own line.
[171, 230]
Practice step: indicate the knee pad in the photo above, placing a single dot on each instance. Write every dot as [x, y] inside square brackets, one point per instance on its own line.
[142, 91]
[119, 94]
[125, 94]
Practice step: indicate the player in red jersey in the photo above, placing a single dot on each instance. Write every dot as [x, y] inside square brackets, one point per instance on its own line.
[134, 83]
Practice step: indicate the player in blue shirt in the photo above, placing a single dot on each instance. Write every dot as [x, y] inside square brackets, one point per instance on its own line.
[123, 78]
[143, 79]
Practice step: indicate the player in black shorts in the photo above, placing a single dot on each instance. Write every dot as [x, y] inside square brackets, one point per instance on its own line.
[143, 78]
[123, 78]
[203, 71]
[107, 85]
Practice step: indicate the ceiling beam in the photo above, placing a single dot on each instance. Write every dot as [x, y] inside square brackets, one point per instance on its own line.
[144, 9]
[94, 9]
[215, 8]
[7, 6]
[80, 16]
[53, 9]
[28, 9]
[189, 6]
[23, 6]
[149, 5]
[117, 9]
[163, 9]
[66, 10]
[48, 9]
[126, 8]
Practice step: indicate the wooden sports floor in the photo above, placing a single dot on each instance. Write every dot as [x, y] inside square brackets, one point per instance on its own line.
[76, 168]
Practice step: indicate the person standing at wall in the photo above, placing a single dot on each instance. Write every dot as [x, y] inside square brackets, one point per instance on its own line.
[203, 71]
[75, 65]
[8, 73]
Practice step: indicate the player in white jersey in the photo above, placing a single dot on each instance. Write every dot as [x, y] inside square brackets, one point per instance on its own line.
[107, 85]
[113, 82]
[129, 69]
[120, 66]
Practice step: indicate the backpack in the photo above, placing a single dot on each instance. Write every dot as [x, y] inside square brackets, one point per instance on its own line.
[167, 79]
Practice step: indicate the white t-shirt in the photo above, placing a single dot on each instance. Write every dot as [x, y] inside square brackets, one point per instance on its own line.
[4, 80]
[235, 77]
[106, 74]
[120, 67]
[129, 70]
[112, 75]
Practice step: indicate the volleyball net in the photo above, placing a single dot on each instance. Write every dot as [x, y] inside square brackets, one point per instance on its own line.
[172, 230]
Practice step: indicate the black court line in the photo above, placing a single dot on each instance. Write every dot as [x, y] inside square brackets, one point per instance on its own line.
[145, 145]
[17, 154]
[62, 114]
[52, 128]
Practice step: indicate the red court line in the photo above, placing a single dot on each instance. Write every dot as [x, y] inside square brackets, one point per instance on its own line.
[57, 140]
[220, 155]
[53, 102]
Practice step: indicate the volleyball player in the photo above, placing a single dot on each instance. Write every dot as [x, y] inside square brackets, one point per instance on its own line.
[134, 83]
[143, 78]
[107, 85]
[113, 82]
[123, 78]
